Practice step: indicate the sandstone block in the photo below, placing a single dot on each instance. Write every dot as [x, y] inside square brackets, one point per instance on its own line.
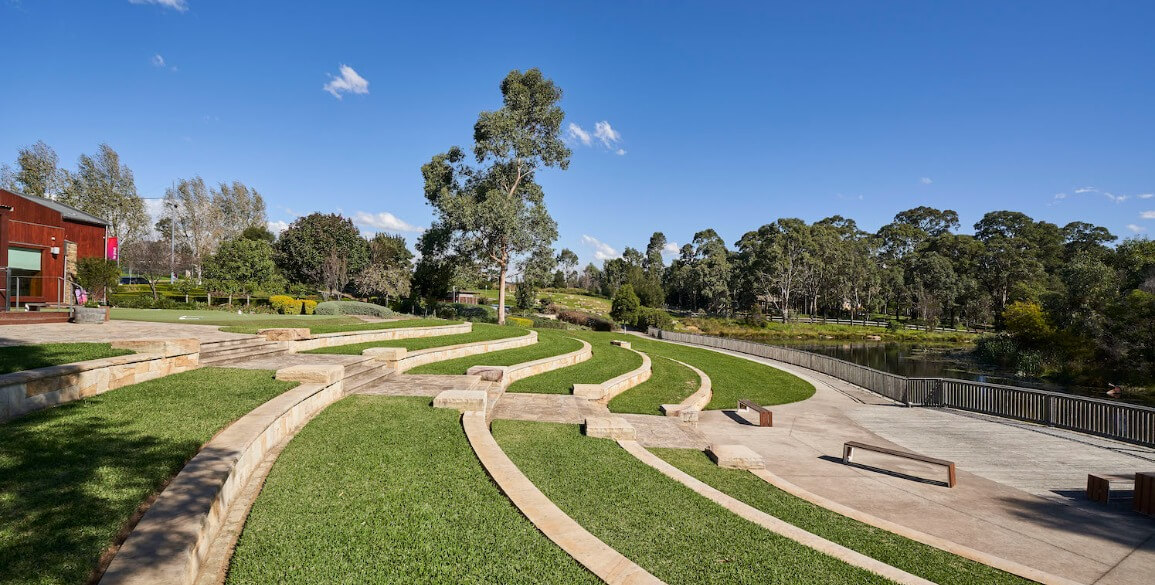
[610, 427]
[312, 374]
[488, 373]
[736, 457]
[689, 415]
[385, 354]
[166, 347]
[285, 333]
[671, 409]
[463, 400]
[589, 391]
[620, 343]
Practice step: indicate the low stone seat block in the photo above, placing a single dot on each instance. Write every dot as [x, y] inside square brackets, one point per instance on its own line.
[621, 343]
[463, 400]
[385, 354]
[736, 457]
[488, 373]
[589, 391]
[285, 333]
[165, 347]
[610, 427]
[689, 415]
[671, 409]
[312, 374]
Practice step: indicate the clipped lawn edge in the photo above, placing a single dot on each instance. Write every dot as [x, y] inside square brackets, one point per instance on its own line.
[771, 523]
[184, 527]
[420, 357]
[928, 539]
[601, 559]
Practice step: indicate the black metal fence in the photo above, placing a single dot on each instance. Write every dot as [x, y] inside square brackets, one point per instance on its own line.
[1116, 420]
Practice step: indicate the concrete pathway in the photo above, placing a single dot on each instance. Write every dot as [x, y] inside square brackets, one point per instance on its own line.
[110, 331]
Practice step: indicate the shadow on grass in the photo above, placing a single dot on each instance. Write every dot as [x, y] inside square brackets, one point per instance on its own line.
[68, 484]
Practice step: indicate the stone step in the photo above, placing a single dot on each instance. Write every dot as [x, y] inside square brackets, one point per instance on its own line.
[364, 378]
[245, 355]
[241, 349]
[232, 343]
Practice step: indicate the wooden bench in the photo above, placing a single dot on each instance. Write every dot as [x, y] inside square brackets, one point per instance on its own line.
[849, 447]
[1144, 493]
[765, 417]
[1099, 485]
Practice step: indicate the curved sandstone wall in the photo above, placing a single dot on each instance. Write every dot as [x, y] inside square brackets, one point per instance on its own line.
[507, 375]
[399, 359]
[606, 391]
[300, 339]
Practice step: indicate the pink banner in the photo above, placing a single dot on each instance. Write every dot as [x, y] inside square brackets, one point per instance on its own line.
[110, 248]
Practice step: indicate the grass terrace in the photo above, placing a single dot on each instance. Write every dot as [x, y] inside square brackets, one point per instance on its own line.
[481, 332]
[252, 322]
[388, 490]
[670, 383]
[914, 557]
[17, 358]
[71, 477]
[550, 342]
[658, 523]
[608, 362]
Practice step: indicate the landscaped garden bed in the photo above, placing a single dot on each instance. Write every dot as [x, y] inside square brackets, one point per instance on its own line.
[72, 477]
[389, 490]
[663, 526]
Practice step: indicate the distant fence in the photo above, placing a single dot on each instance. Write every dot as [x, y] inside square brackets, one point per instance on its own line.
[1114, 420]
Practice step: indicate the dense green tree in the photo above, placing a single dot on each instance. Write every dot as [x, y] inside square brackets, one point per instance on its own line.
[773, 261]
[495, 211]
[567, 262]
[322, 250]
[245, 266]
[625, 305]
[37, 172]
[104, 187]
[389, 269]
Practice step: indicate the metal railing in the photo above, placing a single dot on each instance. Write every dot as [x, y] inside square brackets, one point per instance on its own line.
[17, 287]
[1115, 420]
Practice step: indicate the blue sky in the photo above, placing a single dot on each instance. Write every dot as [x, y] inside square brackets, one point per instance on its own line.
[719, 115]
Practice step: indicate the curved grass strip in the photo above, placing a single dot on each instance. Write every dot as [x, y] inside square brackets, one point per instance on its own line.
[658, 523]
[914, 557]
[608, 362]
[330, 325]
[550, 342]
[18, 358]
[481, 332]
[72, 476]
[670, 383]
[387, 490]
[732, 377]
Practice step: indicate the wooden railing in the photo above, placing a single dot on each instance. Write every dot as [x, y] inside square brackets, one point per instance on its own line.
[1116, 420]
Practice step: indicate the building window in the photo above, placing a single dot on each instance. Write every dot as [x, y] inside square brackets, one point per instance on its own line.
[25, 270]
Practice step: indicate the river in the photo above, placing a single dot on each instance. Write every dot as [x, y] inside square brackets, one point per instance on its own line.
[929, 361]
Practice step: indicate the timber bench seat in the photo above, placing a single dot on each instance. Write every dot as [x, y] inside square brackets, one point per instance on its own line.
[1099, 485]
[765, 417]
[850, 446]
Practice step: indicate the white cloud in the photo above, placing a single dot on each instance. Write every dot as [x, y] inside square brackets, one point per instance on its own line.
[1116, 198]
[925, 180]
[620, 152]
[348, 82]
[1147, 215]
[177, 5]
[1145, 195]
[602, 250]
[1061, 195]
[670, 249]
[1086, 190]
[277, 226]
[1136, 228]
[578, 133]
[606, 133]
[157, 60]
[384, 222]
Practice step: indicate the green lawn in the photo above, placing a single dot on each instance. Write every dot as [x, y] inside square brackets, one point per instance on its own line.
[732, 377]
[71, 476]
[550, 342]
[608, 362]
[481, 332]
[670, 383]
[596, 305]
[914, 557]
[387, 490]
[17, 358]
[231, 322]
[658, 523]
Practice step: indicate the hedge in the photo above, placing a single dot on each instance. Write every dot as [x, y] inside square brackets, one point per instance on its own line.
[352, 308]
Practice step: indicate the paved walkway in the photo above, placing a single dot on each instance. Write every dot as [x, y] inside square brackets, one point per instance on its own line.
[110, 331]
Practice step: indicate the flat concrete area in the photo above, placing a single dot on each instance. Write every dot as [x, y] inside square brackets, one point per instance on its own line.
[1019, 493]
[110, 331]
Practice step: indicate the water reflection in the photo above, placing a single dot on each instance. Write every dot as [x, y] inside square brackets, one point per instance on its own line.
[928, 361]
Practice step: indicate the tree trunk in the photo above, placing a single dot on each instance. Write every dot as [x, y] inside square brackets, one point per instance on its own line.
[501, 295]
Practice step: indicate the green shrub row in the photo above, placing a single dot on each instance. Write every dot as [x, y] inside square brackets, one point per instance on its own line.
[585, 320]
[287, 305]
[352, 308]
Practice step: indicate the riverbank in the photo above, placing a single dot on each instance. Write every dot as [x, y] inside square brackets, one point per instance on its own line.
[771, 332]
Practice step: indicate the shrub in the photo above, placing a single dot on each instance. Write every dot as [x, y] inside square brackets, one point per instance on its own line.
[310, 306]
[625, 305]
[894, 326]
[292, 307]
[280, 302]
[352, 308]
[585, 320]
[543, 323]
[97, 275]
[520, 321]
[651, 317]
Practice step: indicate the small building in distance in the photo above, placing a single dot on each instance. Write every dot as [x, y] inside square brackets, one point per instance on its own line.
[40, 243]
[465, 297]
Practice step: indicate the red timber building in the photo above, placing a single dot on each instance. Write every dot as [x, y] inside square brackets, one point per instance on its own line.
[40, 243]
